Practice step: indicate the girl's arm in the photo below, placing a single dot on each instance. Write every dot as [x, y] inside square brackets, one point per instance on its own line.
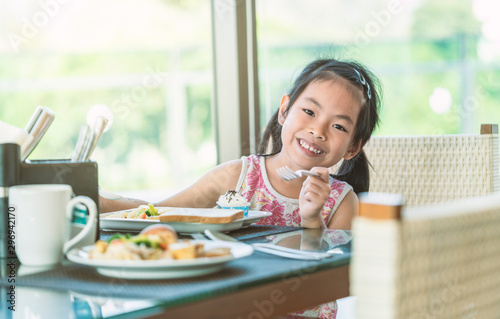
[346, 211]
[206, 190]
[202, 194]
[110, 205]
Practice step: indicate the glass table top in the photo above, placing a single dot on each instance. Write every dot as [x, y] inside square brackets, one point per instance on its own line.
[74, 291]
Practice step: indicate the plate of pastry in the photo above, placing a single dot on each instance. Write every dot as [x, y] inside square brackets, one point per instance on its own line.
[183, 220]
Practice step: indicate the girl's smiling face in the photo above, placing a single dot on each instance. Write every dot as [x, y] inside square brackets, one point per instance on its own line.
[319, 126]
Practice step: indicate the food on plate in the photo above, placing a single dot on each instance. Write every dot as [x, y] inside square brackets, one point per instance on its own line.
[219, 251]
[179, 214]
[184, 250]
[142, 212]
[233, 200]
[201, 215]
[166, 234]
[154, 242]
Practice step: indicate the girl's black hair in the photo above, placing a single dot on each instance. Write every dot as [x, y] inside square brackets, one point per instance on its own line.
[356, 170]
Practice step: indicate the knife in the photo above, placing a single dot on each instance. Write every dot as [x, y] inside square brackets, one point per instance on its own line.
[80, 143]
[33, 119]
[275, 249]
[97, 130]
[38, 130]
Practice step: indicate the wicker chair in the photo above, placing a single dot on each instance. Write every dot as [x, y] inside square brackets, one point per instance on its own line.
[432, 169]
[437, 261]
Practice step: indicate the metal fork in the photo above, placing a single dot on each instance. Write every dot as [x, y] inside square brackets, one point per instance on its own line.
[278, 250]
[198, 236]
[287, 174]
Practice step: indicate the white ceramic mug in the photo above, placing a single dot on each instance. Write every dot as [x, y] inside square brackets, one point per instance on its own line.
[79, 221]
[43, 222]
[42, 304]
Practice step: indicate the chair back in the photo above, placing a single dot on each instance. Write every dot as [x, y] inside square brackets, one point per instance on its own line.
[436, 261]
[432, 169]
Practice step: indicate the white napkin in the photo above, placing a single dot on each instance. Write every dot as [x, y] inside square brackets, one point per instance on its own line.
[13, 134]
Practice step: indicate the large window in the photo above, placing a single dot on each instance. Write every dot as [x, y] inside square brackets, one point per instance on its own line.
[149, 61]
[438, 61]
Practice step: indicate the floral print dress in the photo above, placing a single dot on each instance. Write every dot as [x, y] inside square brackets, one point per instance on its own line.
[254, 186]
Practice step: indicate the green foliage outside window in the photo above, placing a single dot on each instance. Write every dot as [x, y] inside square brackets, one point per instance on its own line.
[150, 85]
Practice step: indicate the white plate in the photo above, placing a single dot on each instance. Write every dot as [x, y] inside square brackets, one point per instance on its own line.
[254, 216]
[162, 268]
[139, 224]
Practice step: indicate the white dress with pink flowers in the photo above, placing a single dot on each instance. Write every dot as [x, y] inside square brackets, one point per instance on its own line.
[254, 186]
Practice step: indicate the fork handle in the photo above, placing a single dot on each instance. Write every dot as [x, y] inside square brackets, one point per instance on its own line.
[308, 173]
[279, 253]
[293, 251]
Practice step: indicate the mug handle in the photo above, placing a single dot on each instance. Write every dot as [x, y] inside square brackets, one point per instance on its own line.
[87, 201]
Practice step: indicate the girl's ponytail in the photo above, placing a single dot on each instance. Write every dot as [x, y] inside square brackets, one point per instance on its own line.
[355, 172]
[270, 143]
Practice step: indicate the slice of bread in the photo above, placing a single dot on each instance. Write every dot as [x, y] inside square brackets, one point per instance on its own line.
[201, 215]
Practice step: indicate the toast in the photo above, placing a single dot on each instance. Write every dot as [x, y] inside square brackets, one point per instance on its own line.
[201, 215]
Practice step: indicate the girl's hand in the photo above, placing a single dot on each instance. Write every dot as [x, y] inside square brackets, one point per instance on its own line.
[313, 195]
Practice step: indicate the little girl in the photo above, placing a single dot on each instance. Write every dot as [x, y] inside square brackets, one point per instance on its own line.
[328, 116]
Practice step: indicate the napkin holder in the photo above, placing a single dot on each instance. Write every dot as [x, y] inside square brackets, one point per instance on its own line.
[82, 176]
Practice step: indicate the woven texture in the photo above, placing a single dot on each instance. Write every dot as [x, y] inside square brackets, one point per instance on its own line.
[433, 169]
[446, 267]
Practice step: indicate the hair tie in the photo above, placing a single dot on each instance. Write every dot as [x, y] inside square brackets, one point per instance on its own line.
[363, 82]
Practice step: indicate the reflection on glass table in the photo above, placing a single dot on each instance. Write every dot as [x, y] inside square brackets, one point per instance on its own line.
[309, 239]
[77, 291]
[40, 303]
